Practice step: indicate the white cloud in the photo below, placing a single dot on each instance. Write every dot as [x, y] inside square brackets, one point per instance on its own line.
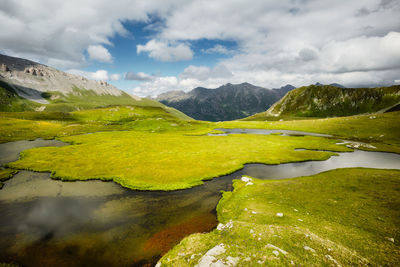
[217, 49]
[29, 30]
[203, 73]
[278, 42]
[99, 53]
[164, 51]
[140, 76]
[99, 75]
[115, 77]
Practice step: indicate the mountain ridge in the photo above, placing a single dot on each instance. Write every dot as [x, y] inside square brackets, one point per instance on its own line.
[333, 101]
[227, 102]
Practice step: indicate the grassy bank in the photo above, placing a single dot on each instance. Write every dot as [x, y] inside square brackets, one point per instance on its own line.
[166, 161]
[380, 130]
[342, 217]
[6, 174]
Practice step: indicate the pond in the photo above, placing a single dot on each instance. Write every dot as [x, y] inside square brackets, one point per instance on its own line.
[48, 222]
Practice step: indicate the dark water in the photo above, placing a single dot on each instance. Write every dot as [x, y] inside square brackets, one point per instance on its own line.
[46, 222]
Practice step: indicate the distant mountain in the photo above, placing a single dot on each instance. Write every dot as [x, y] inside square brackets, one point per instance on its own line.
[26, 86]
[228, 102]
[332, 101]
[332, 84]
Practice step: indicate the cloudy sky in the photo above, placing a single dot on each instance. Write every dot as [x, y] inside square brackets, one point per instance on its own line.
[149, 47]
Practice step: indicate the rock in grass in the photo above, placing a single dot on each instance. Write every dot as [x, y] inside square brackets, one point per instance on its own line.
[246, 179]
[232, 261]
[309, 249]
[279, 214]
[391, 239]
[278, 249]
[209, 258]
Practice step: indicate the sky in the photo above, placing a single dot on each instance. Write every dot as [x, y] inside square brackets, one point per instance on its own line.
[150, 47]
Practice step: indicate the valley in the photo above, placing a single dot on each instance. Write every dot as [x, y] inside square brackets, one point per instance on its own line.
[101, 179]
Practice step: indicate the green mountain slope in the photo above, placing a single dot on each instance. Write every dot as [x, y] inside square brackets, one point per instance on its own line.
[10, 101]
[331, 101]
[30, 86]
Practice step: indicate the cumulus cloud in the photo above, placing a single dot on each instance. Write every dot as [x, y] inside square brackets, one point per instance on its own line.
[140, 76]
[115, 77]
[164, 51]
[217, 49]
[203, 73]
[61, 36]
[278, 42]
[99, 53]
[99, 75]
[191, 77]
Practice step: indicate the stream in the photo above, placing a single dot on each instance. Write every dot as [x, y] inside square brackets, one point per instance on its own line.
[47, 222]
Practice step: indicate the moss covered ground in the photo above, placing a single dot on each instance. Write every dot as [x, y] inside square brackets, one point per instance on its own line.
[166, 161]
[380, 130]
[16, 126]
[6, 174]
[344, 217]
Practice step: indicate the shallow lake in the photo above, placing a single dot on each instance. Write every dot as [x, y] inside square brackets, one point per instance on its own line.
[47, 222]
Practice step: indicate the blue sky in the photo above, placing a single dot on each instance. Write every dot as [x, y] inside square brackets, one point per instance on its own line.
[150, 47]
[126, 59]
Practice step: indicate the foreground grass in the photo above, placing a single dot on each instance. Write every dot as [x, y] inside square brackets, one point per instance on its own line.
[167, 161]
[342, 217]
[380, 130]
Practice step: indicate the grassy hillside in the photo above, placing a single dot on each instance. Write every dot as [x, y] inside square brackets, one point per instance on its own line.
[79, 99]
[344, 217]
[30, 125]
[10, 101]
[331, 101]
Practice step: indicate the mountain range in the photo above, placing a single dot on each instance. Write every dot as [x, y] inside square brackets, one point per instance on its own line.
[227, 102]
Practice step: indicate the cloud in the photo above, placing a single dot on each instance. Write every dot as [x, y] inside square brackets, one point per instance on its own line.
[99, 53]
[164, 51]
[29, 30]
[140, 76]
[203, 73]
[217, 49]
[99, 75]
[277, 42]
[115, 77]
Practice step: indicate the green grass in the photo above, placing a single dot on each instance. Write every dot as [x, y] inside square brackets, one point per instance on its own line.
[10, 101]
[30, 125]
[380, 130]
[6, 174]
[166, 161]
[326, 101]
[347, 215]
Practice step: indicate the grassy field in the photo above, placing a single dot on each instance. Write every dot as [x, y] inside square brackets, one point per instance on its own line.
[31, 125]
[166, 161]
[342, 217]
[380, 130]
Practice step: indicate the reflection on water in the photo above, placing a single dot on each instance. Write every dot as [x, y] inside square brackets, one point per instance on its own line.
[46, 222]
[266, 132]
[10, 151]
